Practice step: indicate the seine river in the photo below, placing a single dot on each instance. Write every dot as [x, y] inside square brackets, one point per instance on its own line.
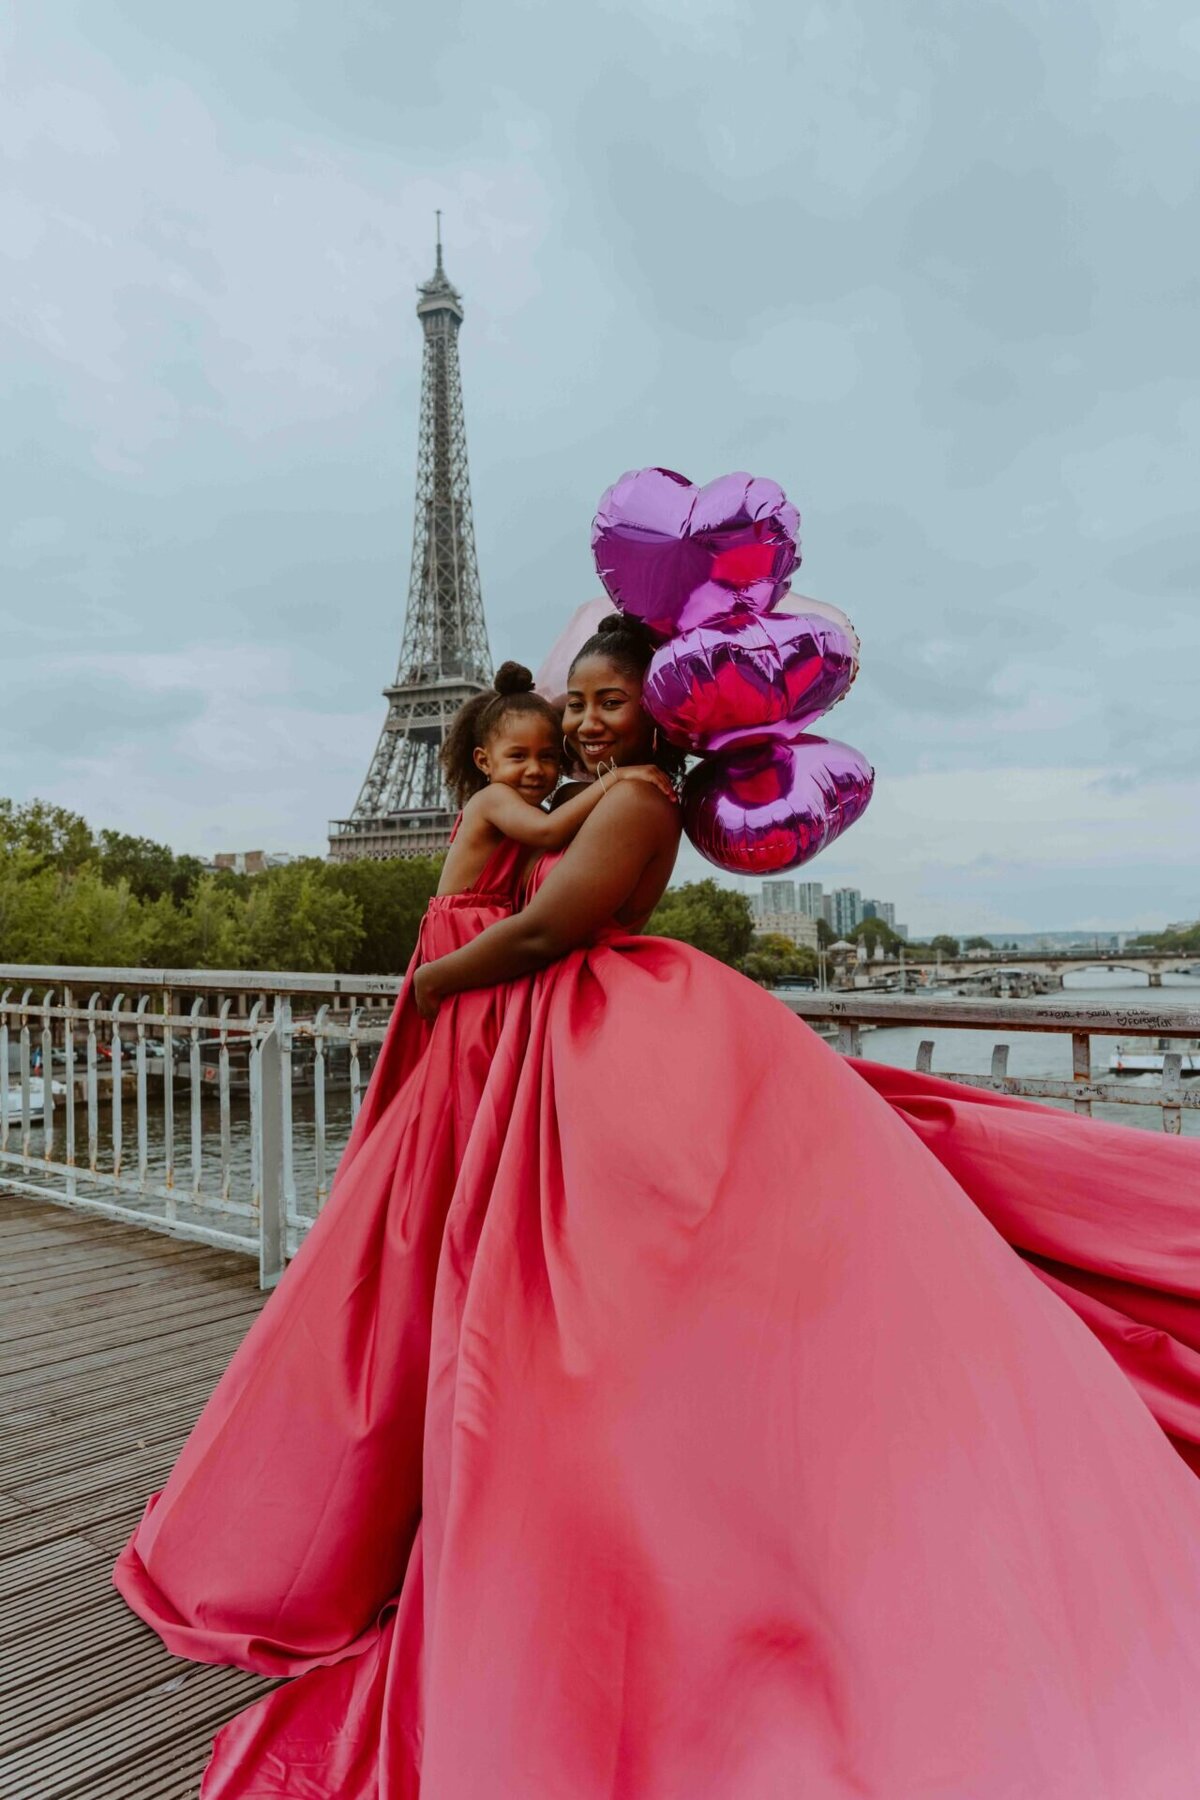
[955, 1052]
[1043, 1053]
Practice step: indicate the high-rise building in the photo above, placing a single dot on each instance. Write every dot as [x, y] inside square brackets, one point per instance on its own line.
[777, 897]
[847, 910]
[883, 910]
[797, 927]
[403, 808]
[809, 896]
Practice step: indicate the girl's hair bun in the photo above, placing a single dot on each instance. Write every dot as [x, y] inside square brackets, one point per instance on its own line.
[513, 678]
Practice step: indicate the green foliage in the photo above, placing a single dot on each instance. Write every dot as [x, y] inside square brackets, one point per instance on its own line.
[392, 897]
[109, 899]
[979, 943]
[945, 943]
[775, 960]
[711, 918]
[57, 838]
[872, 932]
[825, 934]
[1187, 940]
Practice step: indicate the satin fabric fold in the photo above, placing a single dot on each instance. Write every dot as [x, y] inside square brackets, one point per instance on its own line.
[754, 1463]
[1107, 1217]
[286, 1526]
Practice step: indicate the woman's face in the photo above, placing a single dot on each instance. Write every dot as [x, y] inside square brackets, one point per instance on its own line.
[603, 721]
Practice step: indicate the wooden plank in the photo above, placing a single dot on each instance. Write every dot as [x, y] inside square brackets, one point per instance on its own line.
[111, 1344]
[39, 1365]
[192, 1704]
[45, 1563]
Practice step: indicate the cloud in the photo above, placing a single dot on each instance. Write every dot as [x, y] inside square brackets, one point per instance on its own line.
[933, 271]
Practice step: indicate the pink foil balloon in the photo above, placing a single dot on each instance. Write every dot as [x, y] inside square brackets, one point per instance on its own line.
[718, 680]
[675, 555]
[794, 604]
[774, 803]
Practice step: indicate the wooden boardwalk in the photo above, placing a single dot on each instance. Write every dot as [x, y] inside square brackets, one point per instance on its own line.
[111, 1339]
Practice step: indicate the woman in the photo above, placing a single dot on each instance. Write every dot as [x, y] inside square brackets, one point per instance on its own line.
[755, 1462]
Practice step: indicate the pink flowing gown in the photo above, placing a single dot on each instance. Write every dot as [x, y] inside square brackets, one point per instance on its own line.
[286, 1525]
[756, 1464]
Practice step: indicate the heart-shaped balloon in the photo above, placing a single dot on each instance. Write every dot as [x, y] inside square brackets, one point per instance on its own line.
[675, 555]
[721, 680]
[773, 804]
[790, 604]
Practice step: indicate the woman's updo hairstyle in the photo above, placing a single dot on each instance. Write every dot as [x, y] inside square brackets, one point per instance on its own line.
[626, 644]
[478, 721]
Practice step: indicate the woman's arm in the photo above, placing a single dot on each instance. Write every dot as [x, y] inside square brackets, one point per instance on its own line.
[526, 824]
[598, 874]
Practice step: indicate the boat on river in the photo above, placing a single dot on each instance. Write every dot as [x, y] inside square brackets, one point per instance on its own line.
[1137, 1059]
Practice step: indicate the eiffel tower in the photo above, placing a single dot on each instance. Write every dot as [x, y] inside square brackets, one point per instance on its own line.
[403, 808]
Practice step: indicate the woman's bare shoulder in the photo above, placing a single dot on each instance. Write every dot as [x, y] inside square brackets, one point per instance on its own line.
[637, 806]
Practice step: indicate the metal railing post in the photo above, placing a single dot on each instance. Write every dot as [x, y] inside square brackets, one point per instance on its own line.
[272, 1222]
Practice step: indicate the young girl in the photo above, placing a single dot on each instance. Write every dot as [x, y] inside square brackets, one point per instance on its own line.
[326, 1395]
[503, 758]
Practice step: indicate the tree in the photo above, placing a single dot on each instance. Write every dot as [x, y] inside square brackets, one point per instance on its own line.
[979, 943]
[393, 896]
[825, 935]
[945, 943]
[27, 899]
[295, 918]
[872, 932]
[94, 923]
[773, 960]
[58, 838]
[150, 869]
[711, 918]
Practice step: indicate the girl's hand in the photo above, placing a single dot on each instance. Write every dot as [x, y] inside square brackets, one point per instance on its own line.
[648, 772]
[425, 992]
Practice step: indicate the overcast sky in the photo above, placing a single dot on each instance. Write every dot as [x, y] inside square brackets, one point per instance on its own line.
[930, 265]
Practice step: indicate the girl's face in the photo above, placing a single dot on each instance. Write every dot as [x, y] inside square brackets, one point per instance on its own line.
[603, 721]
[523, 753]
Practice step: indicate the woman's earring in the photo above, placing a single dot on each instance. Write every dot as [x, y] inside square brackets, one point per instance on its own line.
[566, 747]
[654, 742]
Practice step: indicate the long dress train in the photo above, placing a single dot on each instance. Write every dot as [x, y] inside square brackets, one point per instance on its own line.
[1113, 1227]
[756, 1464]
[286, 1525]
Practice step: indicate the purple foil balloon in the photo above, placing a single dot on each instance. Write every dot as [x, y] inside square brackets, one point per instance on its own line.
[718, 681]
[774, 803]
[675, 555]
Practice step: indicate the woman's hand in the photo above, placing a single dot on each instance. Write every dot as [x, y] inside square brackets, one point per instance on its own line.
[425, 991]
[646, 772]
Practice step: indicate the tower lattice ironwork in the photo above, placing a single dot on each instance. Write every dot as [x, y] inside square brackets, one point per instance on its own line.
[403, 808]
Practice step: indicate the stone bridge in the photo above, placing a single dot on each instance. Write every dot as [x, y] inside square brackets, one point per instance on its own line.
[1152, 964]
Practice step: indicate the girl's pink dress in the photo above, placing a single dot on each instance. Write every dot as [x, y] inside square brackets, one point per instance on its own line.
[755, 1464]
[287, 1522]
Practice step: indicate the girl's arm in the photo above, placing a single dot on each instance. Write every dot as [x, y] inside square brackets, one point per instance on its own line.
[526, 824]
[598, 874]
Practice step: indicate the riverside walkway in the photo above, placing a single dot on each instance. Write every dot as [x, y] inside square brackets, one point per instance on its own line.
[111, 1339]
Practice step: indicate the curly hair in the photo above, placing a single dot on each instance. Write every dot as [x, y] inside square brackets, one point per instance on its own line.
[628, 645]
[478, 721]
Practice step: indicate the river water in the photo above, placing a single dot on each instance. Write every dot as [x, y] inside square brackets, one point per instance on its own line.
[955, 1052]
[1044, 1053]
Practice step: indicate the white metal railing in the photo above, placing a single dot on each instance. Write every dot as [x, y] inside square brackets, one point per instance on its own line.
[1084, 1089]
[215, 1104]
[169, 1097]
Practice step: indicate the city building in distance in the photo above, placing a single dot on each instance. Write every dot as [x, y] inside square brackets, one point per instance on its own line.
[842, 910]
[251, 862]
